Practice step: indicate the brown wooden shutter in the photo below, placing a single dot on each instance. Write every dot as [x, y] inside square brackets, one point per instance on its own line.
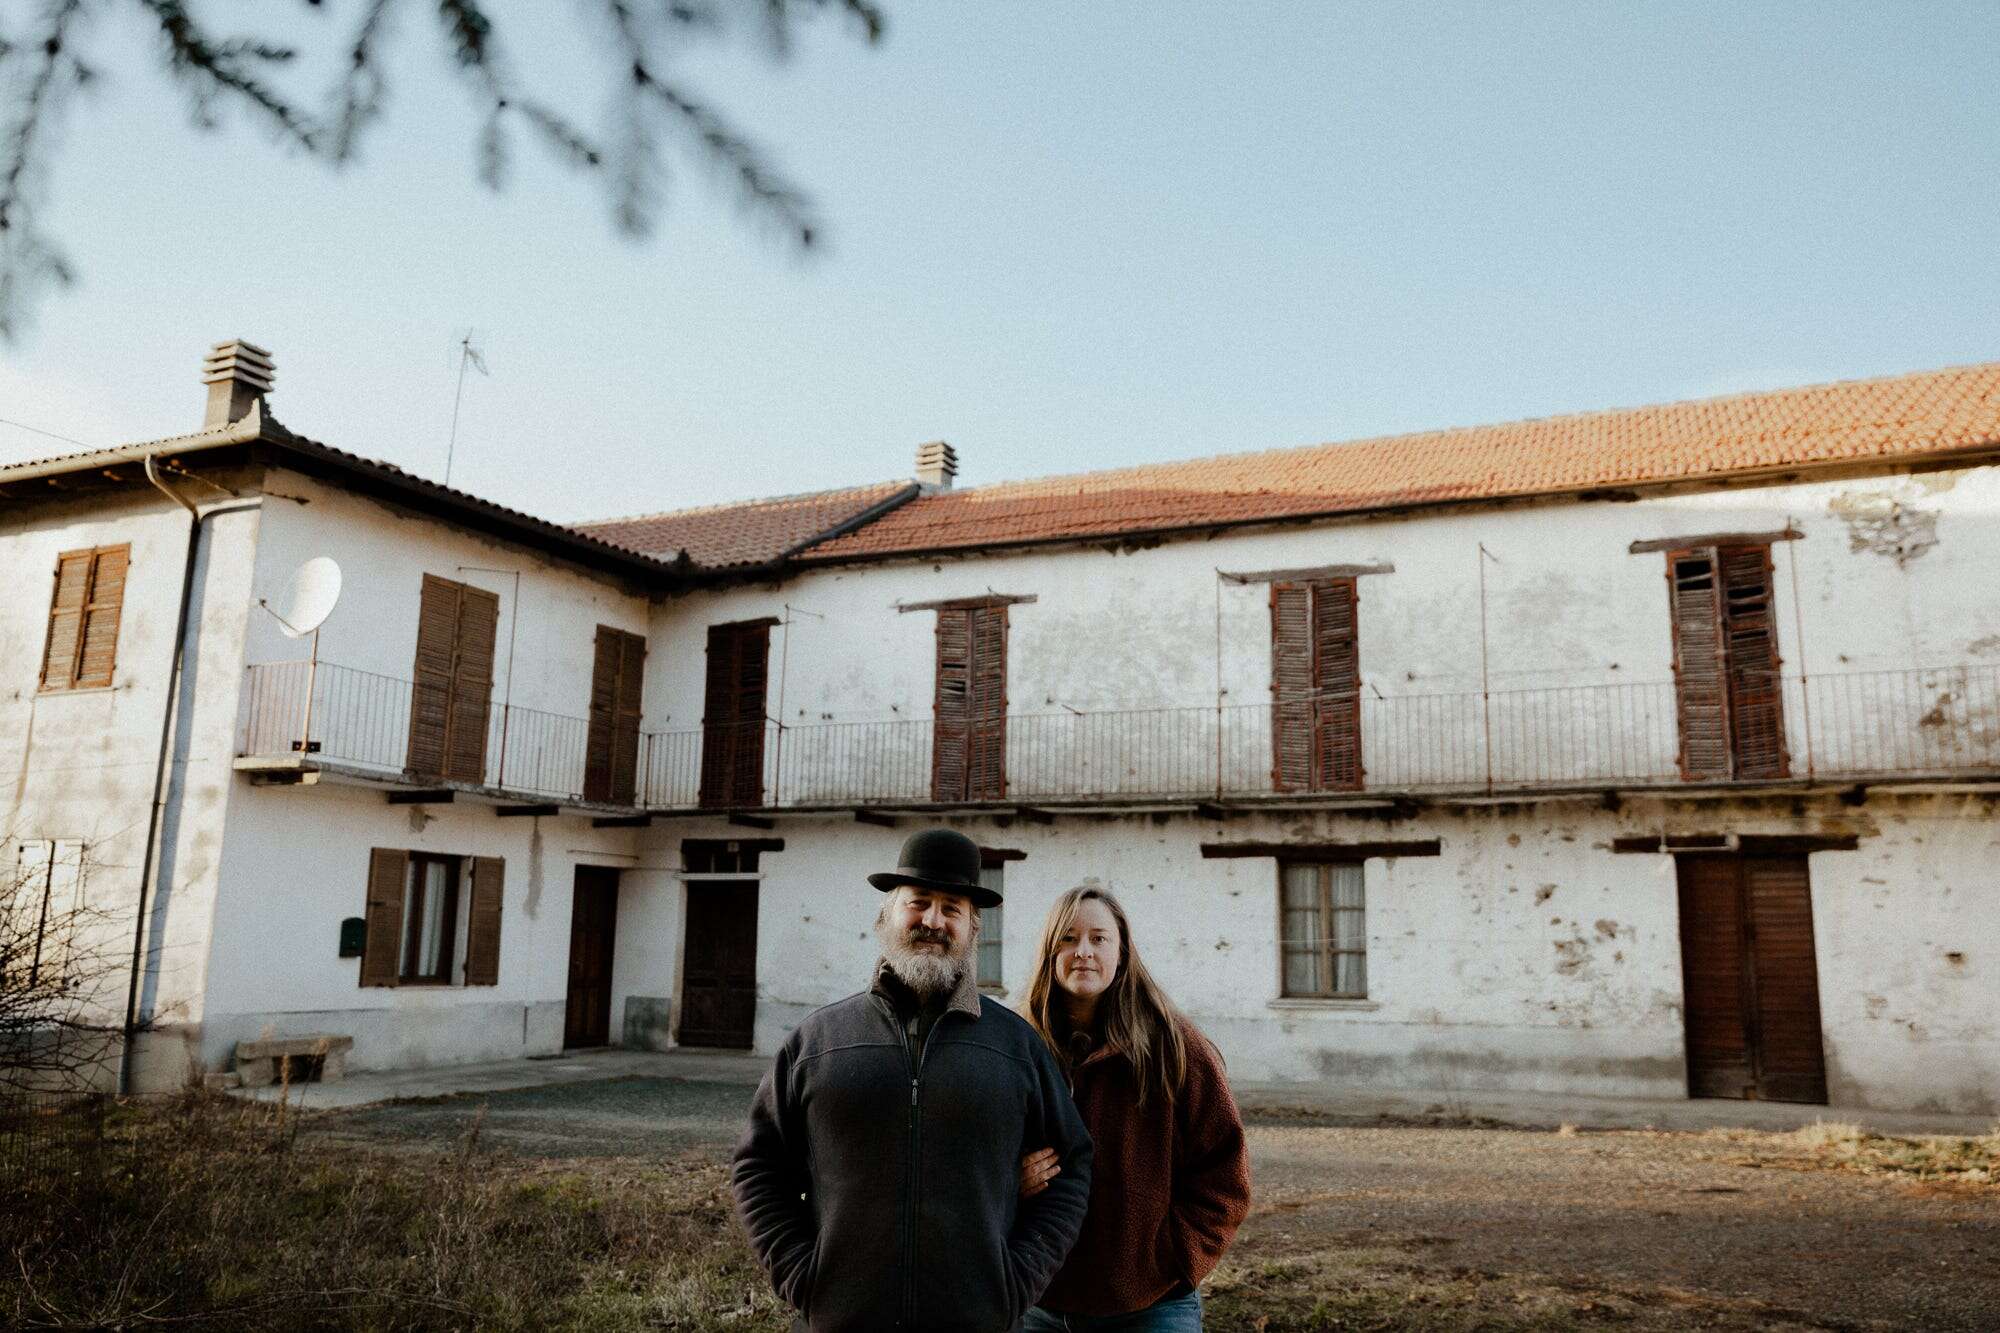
[611, 756]
[1700, 682]
[603, 712]
[1713, 957]
[951, 725]
[66, 613]
[99, 656]
[732, 743]
[627, 716]
[986, 719]
[482, 923]
[1750, 653]
[472, 684]
[1791, 1065]
[753, 663]
[1291, 687]
[382, 953]
[430, 694]
[1337, 687]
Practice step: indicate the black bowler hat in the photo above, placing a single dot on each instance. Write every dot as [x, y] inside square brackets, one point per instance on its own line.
[942, 859]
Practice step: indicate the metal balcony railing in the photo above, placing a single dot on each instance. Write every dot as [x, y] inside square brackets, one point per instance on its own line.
[1864, 726]
[361, 720]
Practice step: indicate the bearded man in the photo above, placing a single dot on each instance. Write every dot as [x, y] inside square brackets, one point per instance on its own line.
[878, 1180]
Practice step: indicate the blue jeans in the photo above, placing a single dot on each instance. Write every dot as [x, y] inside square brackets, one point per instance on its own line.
[1176, 1314]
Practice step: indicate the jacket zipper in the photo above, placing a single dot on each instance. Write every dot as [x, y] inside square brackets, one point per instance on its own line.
[915, 1064]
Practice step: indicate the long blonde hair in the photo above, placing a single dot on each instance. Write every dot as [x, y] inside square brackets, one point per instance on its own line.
[1139, 1021]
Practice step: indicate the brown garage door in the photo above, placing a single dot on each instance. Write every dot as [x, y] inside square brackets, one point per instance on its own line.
[1749, 977]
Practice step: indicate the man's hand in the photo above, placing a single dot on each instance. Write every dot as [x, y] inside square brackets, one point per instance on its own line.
[1037, 1170]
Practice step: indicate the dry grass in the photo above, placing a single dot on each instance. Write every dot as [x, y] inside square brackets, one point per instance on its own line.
[221, 1214]
[1940, 1158]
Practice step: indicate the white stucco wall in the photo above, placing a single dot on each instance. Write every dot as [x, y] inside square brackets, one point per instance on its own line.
[1526, 956]
[296, 862]
[81, 764]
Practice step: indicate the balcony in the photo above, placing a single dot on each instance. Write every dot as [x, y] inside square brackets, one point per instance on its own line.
[300, 721]
[1891, 726]
[1938, 725]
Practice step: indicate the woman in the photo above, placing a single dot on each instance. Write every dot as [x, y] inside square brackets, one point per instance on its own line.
[1170, 1179]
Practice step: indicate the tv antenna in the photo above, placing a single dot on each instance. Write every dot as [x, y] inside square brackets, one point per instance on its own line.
[468, 355]
[309, 599]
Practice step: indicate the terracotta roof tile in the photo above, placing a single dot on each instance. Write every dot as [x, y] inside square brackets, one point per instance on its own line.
[750, 532]
[1904, 417]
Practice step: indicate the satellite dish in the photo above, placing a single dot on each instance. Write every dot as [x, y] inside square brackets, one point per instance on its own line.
[310, 597]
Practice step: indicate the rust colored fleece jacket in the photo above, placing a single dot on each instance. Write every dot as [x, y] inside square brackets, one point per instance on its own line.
[1168, 1185]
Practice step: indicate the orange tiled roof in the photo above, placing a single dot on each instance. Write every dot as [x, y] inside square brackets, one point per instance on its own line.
[747, 533]
[1904, 417]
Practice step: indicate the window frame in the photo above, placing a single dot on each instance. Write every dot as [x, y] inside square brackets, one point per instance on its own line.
[992, 932]
[1328, 954]
[413, 912]
[75, 682]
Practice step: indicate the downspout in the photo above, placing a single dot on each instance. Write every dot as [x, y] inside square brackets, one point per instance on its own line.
[196, 517]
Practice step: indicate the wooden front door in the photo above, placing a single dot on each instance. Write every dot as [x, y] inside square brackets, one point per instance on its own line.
[1750, 980]
[719, 974]
[593, 929]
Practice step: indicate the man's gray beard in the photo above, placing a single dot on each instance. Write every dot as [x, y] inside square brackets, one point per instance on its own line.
[929, 975]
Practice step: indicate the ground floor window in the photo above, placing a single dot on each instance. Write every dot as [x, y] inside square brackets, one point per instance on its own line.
[1323, 930]
[991, 876]
[42, 898]
[430, 918]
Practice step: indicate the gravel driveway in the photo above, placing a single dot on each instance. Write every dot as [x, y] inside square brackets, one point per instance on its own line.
[1648, 1229]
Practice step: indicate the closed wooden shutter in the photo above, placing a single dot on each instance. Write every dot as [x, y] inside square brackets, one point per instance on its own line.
[101, 614]
[969, 712]
[603, 706]
[81, 649]
[1757, 732]
[611, 758]
[472, 684]
[1337, 685]
[1291, 687]
[59, 654]
[430, 694]
[482, 926]
[1315, 687]
[382, 953]
[1700, 682]
[1791, 1064]
[951, 725]
[452, 691]
[986, 731]
[626, 717]
[1713, 958]
[732, 743]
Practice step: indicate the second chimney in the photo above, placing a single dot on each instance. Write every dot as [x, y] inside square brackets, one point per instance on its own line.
[238, 375]
[937, 465]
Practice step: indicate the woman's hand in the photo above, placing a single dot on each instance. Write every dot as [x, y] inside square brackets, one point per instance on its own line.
[1037, 1170]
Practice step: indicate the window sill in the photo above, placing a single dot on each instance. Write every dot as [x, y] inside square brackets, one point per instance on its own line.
[996, 991]
[58, 691]
[1362, 1006]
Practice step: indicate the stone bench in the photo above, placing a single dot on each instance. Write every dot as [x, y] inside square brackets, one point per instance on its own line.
[259, 1062]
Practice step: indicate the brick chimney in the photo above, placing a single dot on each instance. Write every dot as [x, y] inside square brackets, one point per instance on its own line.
[937, 465]
[238, 375]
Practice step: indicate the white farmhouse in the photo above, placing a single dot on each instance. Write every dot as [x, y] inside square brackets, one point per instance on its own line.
[1649, 753]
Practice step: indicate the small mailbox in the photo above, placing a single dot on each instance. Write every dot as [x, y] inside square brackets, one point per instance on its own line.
[353, 937]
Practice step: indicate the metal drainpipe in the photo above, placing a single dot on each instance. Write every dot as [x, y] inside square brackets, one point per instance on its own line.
[196, 517]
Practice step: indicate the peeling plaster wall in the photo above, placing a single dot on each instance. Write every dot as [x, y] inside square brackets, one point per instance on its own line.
[1568, 606]
[1527, 956]
[81, 764]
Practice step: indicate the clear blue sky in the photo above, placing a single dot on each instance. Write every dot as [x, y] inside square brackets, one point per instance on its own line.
[1061, 236]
